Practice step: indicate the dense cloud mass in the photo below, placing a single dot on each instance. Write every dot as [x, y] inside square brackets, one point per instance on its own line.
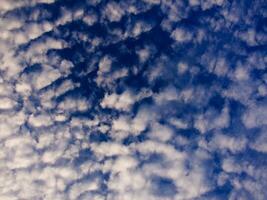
[133, 100]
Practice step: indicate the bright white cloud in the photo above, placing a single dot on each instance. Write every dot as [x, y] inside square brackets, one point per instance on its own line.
[120, 102]
[6, 103]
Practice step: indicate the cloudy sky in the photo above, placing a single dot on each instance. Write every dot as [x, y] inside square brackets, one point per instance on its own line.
[133, 99]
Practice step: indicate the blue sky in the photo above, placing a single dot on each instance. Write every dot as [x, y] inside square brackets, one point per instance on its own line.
[133, 100]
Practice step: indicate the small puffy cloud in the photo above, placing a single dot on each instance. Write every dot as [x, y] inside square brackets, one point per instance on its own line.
[161, 132]
[40, 120]
[255, 116]
[121, 128]
[90, 19]
[72, 104]
[125, 100]
[23, 88]
[182, 67]
[140, 27]
[152, 1]
[224, 142]
[45, 78]
[178, 123]
[262, 90]
[168, 94]
[181, 35]
[249, 36]
[82, 187]
[125, 125]
[6, 129]
[212, 120]
[109, 149]
[104, 65]
[210, 3]
[143, 54]
[260, 143]
[8, 5]
[119, 102]
[7, 103]
[113, 11]
[9, 63]
[241, 73]
[194, 2]
[142, 120]
[229, 165]
[105, 75]
[221, 67]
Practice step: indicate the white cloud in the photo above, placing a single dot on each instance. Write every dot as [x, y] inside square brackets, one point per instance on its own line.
[182, 67]
[123, 101]
[90, 19]
[181, 35]
[241, 73]
[9, 63]
[194, 2]
[65, 86]
[260, 143]
[104, 65]
[224, 142]
[107, 77]
[255, 116]
[262, 90]
[178, 123]
[221, 67]
[212, 120]
[143, 55]
[142, 120]
[168, 94]
[109, 149]
[113, 11]
[74, 104]
[40, 120]
[6, 103]
[248, 36]
[210, 3]
[140, 27]
[77, 189]
[152, 1]
[6, 129]
[23, 88]
[229, 165]
[190, 183]
[161, 132]
[45, 78]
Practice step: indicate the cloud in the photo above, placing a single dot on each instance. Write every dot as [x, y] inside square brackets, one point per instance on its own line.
[7, 103]
[181, 35]
[260, 142]
[124, 101]
[113, 12]
[120, 102]
[255, 117]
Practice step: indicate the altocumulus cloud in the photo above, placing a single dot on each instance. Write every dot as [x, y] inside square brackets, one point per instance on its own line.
[133, 100]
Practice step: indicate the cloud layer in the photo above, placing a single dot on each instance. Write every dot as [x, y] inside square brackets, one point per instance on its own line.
[133, 100]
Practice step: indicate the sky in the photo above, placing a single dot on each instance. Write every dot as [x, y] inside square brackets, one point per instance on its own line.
[133, 99]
